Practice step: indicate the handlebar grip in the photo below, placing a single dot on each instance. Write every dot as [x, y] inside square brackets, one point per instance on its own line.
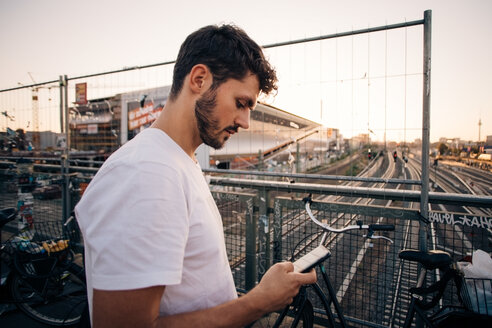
[386, 227]
[308, 199]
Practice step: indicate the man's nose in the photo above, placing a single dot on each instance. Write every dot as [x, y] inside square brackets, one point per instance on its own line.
[243, 119]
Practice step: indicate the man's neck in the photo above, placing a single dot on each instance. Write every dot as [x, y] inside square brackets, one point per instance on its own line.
[178, 121]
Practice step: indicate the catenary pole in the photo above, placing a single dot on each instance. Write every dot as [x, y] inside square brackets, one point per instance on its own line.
[424, 202]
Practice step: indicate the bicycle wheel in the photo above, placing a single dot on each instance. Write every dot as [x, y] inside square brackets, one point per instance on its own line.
[57, 300]
[290, 317]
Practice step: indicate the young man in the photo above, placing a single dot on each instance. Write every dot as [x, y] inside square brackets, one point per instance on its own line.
[154, 244]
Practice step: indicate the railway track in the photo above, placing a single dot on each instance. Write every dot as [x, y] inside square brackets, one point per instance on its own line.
[349, 265]
[295, 221]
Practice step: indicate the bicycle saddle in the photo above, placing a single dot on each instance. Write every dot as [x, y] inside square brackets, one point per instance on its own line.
[431, 260]
[7, 215]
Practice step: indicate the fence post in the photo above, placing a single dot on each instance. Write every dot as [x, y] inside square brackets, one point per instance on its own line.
[424, 198]
[424, 193]
[65, 164]
[298, 158]
[260, 160]
[277, 231]
[263, 233]
[251, 233]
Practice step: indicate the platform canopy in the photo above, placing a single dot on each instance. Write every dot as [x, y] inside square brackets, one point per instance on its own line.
[270, 129]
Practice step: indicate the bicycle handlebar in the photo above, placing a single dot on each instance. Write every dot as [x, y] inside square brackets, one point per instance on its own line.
[359, 226]
[382, 227]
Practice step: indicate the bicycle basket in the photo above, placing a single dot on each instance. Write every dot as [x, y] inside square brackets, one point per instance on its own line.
[477, 295]
[37, 251]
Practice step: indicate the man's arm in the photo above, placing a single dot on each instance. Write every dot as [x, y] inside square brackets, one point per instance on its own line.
[140, 307]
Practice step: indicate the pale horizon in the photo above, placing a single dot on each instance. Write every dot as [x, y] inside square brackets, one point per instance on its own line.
[325, 82]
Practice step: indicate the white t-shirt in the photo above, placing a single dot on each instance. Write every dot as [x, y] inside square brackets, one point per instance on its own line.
[148, 218]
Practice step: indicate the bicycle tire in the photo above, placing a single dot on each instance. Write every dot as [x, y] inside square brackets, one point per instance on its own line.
[58, 300]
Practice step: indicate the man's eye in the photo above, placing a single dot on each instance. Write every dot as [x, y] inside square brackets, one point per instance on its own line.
[240, 104]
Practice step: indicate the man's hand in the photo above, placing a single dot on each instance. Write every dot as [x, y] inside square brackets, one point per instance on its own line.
[140, 307]
[279, 286]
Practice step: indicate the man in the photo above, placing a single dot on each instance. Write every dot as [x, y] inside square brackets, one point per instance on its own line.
[154, 243]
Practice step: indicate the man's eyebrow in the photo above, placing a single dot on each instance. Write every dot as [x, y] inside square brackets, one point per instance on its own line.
[249, 101]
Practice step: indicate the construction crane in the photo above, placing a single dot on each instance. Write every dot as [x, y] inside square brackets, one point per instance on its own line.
[7, 118]
[35, 114]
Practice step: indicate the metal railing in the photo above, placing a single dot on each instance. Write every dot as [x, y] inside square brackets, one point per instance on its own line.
[371, 281]
[265, 222]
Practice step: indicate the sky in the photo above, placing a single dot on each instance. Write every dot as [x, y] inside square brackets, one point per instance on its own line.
[364, 84]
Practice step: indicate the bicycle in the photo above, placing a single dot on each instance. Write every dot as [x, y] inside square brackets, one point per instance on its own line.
[447, 315]
[300, 312]
[39, 271]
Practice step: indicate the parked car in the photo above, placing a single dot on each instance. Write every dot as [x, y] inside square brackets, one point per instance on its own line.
[52, 191]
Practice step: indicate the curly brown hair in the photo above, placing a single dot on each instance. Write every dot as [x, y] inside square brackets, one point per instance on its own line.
[228, 52]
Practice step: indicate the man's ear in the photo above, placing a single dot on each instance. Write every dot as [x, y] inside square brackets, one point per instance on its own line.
[200, 78]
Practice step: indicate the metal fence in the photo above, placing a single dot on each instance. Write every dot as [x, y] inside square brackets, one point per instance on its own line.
[96, 112]
[89, 116]
[265, 222]
[371, 282]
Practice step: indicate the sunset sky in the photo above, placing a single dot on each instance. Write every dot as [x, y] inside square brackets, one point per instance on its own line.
[354, 83]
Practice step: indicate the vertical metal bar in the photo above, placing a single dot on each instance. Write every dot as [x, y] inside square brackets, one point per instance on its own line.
[67, 123]
[61, 105]
[298, 158]
[264, 251]
[277, 231]
[62, 158]
[265, 211]
[260, 160]
[251, 233]
[424, 195]
[65, 158]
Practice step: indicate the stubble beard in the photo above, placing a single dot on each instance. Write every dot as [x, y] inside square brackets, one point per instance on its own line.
[207, 123]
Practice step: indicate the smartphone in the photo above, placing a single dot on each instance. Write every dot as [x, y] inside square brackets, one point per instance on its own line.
[311, 259]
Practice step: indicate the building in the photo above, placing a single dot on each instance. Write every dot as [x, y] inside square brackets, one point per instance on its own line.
[104, 124]
[47, 139]
[360, 140]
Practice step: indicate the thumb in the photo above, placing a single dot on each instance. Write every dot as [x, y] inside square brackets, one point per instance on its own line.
[307, 278]
[285, 266]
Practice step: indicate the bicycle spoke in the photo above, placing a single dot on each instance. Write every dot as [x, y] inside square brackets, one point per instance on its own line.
[56, 301]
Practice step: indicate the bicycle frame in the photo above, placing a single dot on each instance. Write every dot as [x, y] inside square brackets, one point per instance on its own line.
[331, 298]
[39, 282]
[7, 216]
[420, 309]
[425, 300]
[301, 301]
[326, 300]
[414, 308]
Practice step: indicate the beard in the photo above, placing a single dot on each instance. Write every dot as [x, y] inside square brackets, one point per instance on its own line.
[207, 122]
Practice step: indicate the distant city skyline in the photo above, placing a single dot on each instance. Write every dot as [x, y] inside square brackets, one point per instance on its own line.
[353, 83]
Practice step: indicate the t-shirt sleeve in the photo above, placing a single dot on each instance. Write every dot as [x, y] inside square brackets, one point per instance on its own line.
[138, 227]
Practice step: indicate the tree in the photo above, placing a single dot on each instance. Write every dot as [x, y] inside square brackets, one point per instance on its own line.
[443, 148]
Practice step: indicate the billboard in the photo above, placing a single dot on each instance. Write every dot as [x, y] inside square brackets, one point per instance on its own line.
[143, 116]
[81, 93]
